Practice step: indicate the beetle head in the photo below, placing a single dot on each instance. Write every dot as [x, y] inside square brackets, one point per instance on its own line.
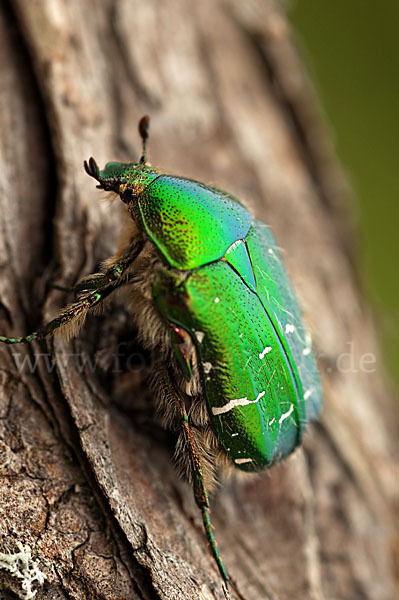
[126, 179]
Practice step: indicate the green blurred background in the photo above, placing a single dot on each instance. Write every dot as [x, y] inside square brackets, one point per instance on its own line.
[352, 50]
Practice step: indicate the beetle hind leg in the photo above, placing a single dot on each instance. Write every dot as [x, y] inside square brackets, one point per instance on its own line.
[200, 492]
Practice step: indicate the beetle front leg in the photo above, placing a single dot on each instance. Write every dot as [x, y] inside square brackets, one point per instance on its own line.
[91, 282]
[116, 267]
[72, 317]
[94, 281]
[200, 493]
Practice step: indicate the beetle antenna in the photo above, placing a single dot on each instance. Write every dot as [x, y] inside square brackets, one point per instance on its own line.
[93, 170]
[144, 125]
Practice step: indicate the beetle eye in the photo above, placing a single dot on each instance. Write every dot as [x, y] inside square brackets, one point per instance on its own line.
[127, 195]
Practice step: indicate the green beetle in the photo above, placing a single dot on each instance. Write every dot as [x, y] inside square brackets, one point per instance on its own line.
[207, 288]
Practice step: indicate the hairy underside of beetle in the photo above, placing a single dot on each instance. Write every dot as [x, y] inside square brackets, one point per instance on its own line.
[136, 295]
[154, 335]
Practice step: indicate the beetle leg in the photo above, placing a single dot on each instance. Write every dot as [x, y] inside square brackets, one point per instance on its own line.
[94, 281]
[91, 282]
[75, 313]
[200, 493]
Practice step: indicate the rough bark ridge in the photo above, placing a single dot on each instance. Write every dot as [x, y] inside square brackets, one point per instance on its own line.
[87, 477]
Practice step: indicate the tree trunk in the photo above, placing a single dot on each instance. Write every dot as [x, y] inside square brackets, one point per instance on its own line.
[88, 481]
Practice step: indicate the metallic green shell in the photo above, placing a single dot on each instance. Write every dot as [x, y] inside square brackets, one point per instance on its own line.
[257, 368]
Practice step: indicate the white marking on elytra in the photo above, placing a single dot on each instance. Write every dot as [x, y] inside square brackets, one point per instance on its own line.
[272, 421]
[216, 300]
[308, 342]
[285, 415]
[307, 394]
[242, 461]
[264, 352]
[289, 328]
[234, 434]
[207, 366]
[270, 251]
[200, 336]
[220, 410]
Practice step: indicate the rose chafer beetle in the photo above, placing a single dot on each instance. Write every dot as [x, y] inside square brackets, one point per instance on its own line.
[205, 284]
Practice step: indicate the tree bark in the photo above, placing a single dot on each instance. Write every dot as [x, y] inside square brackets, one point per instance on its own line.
[88, 481]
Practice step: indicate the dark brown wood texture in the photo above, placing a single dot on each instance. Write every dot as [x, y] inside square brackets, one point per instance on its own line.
[87, 478]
